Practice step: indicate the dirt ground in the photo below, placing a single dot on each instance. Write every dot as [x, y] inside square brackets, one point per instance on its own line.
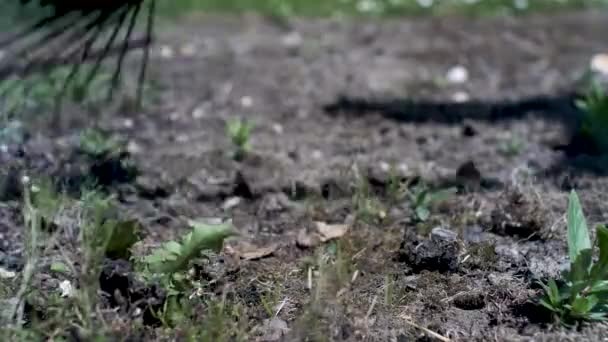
[283, 75]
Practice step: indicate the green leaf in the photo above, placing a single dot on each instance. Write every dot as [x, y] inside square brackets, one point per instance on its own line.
[583, 305]
[549, 306]
[174, 257]
[553, 293]
[600, 269]
[578, 234]
[59, 267]
[580, 270]
[441, 195]
[124, 236]
[596, 316]
[602, 241]
[422, 213]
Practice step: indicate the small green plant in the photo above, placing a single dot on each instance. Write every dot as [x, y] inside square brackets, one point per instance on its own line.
[512, 146]
[173, 256]
[422, 199]
[595, 121]
[169, 264]
[94, 143]
[368, 207]
[583, 293]
[239, 132]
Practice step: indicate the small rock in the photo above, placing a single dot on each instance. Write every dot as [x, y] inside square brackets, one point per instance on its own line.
[188, 50]
[246, 101]
[128, 123]
[66, 289]
[276, 329]
[277, 128]
[461, 96]
[199, 113]
[599, 63]
[231, 203]
[441, 234]
[292, 40]
[166, 52]
[133, 147]
[6, 274]
[457, 75]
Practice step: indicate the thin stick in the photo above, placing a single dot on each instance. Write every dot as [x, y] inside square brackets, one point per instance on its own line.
[430, 332]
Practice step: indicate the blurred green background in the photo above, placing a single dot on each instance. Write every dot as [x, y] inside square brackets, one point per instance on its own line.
[375, 7]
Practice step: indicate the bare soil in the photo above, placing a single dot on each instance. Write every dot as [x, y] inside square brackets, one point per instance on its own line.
[330, 98]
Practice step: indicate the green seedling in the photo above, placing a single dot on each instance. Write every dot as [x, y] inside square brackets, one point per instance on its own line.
[95, 144]
[583, 292]
[239, 132]
[170, 264]
[367, 205]
[595, 121]
[174, 256]
[512, 146]
[422, 200]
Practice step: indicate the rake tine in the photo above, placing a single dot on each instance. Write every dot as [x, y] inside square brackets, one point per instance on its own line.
[123, 53]
[146, 57]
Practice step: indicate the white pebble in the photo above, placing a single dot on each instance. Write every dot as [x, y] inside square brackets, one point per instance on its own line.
[246, 101]
[166, 52]
[461, 96]
[457, 74]
[292, 40]
[599, 63]
[66, 288]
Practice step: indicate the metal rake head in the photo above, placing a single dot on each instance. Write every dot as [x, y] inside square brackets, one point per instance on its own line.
[74, 32]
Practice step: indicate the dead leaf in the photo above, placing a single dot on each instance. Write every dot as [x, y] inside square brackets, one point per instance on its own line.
[331, 231]
[323, 232]
[248, 251]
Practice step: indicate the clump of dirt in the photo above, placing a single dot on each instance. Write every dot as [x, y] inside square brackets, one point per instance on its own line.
[125, 292]
[437, 253]
[519, 214]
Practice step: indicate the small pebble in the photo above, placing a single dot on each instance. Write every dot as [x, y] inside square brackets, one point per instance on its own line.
[460, 97]
[292, 40]
[457, 75]
[246, 101]
[599, 63]
[166, 52]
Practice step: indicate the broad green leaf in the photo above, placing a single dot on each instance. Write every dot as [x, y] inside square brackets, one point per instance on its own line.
[124, 236]
[553, 293]
[599, 287]
[173, 256]
[600, 269]
[580, 270]
[441, 195]
[602, 241]
[596, 316]
[59, 267]
[578, 234]
[422, 213]
[549, 305]
[583, 305]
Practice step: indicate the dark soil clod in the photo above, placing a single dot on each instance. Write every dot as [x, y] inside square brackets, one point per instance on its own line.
[439, 253]
[472, 300]
[518, 214]
[118, 282]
